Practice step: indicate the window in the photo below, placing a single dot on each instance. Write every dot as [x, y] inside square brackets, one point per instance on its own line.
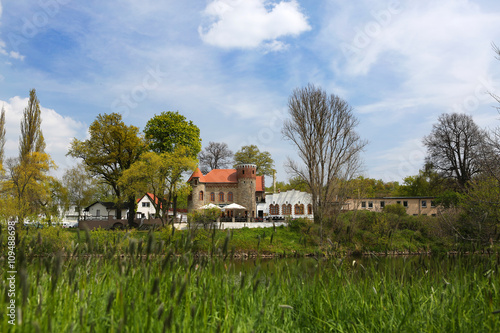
[201, 196]
[363, 204]
[382, 204]
[299, 209]
[274, 210]
[398, 202]
[424, 204]
[309, 209]
[433, 203]
[221, 196]
[230, 196]
[212, 196]
[370, 204]
[405, 204]
[287, 209]
[98, 212]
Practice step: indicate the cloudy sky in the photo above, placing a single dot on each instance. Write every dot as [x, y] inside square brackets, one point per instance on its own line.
[230, 66]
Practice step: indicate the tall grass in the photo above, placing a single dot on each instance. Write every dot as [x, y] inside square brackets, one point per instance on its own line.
[146, 292]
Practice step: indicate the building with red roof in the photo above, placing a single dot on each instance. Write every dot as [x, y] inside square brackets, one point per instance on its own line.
[226, 186]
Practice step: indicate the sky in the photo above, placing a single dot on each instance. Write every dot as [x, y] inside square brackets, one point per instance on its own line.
[231, 65]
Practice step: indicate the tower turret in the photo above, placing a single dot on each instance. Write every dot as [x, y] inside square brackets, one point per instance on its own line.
[246, 175]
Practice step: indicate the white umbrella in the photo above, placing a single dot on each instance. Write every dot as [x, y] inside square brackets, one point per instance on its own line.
[209, 206]
[234, 206]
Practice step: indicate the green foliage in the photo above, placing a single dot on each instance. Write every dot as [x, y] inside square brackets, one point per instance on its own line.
[169, 130]
[43, 241]
[372, 188]
[204, 216]
[396, 209]
[294, 183]
[193, 294]
[297, 224]
[252, 155]
[111, 149]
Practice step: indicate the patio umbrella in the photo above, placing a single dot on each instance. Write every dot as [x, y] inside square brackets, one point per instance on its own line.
[234, 206]
[209, 206]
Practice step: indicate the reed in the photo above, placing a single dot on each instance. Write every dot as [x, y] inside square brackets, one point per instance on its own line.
[209, 294]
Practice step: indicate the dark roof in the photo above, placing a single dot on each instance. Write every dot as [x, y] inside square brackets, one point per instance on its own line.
[107, 204]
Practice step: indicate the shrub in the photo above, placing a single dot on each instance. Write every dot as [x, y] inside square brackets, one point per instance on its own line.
[396, 209]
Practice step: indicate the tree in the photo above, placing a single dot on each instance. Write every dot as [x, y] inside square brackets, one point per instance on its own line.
[28, 182]
[2, 137]
[81, 187]
[215, 156]
[453, 147]
[252, 155]
[161, 174]
[31, 139]
[112, 148]
[165, 132]
[321, 127]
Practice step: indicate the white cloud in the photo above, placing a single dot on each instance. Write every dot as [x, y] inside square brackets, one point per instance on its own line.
[249, 24]
[58, 130]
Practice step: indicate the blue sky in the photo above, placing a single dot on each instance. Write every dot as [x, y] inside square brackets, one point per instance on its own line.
[230, 66]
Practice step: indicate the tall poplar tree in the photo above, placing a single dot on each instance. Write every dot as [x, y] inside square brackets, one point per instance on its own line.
[31, 139]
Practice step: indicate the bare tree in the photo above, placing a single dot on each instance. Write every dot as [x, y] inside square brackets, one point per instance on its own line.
[322, 127]
[453, 147]
[216, 155]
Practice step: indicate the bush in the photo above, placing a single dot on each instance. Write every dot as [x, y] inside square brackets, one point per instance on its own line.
[297, 224]
[396, 209]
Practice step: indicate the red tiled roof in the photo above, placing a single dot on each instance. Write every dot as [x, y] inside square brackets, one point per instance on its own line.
[197, 173]
[151, 196]
[221, 176]
[260, 184]
[225, 176]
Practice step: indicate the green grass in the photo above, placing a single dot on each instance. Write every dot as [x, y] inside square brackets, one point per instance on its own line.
[147, 288]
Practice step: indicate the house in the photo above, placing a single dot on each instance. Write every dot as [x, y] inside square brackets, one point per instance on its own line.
[145, 206]
[103, 210]
[414, 205]
[291, 203]
[225, 186]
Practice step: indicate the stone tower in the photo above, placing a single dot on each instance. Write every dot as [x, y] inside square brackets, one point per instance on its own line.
[198, 194]
[246, 175]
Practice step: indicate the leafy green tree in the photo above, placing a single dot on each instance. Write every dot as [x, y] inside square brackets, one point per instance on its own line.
[161, 174]
[28, 183]
[252, 155]
[427, 183]
[111, 149]
[169, 130]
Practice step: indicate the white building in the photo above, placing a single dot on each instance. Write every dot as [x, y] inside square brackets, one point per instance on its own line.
[291, 203]
[145, 207]
[102, 209]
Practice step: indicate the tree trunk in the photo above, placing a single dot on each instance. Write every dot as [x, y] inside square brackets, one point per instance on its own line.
[131, 212]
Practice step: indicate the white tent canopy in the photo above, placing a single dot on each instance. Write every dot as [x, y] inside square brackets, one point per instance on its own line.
[209, 206]
[233, 206]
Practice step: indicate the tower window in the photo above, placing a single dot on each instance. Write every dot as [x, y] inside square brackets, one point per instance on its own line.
[201, 196]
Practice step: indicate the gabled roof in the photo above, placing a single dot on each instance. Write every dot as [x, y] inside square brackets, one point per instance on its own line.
[152, 198]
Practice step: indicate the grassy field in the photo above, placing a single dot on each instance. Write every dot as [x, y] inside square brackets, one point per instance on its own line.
[134, 282]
